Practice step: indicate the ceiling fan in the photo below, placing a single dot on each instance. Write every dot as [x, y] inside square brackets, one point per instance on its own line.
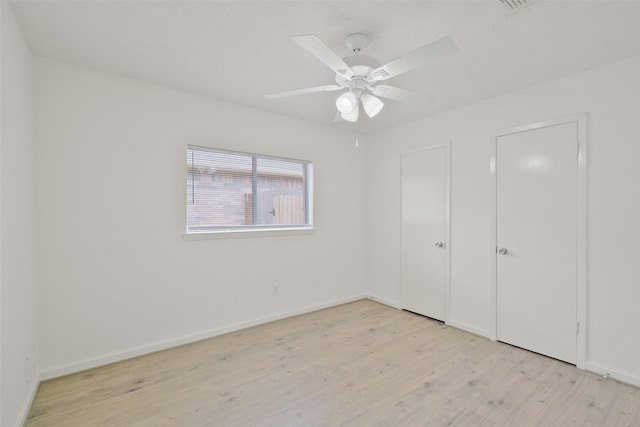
[361, 75]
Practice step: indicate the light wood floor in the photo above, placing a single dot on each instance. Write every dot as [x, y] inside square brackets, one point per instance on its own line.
[359, 364]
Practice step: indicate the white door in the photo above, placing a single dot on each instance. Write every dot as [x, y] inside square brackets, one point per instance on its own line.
[424, 231]
[536, 209]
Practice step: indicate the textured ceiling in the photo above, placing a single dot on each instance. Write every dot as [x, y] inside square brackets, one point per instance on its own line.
[239, 50]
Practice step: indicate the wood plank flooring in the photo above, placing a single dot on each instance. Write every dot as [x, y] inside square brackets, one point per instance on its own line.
[359, 364]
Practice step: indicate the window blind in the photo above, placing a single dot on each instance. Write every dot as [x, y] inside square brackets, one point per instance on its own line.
[229, 190]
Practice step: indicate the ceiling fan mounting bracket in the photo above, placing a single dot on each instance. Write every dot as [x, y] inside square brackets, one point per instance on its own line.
[357, 41]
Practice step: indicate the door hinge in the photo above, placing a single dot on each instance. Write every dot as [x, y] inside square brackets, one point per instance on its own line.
[577, 327]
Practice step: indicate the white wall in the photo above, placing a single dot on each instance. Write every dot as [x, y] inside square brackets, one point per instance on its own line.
[611, 97]
[117, 278]
[18, 287]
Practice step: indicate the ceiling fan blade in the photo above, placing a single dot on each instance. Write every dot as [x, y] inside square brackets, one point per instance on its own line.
[400, 95]
[327, 88]
[420, 57]
[321, 51]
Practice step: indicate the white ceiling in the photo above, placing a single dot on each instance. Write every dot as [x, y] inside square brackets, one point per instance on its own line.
[240, 50]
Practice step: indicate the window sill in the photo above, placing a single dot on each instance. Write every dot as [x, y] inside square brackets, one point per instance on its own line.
[238, 234]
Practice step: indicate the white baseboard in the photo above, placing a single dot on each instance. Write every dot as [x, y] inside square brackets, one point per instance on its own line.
[468, 328]
[623, 377]
[385, 301]
[26, 405]
[453, 323]
[81, 365]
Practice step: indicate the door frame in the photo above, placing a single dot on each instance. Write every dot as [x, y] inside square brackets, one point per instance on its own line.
[581, 222]
[447, 219]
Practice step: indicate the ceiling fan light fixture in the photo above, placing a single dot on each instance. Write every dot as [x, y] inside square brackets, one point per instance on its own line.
[361, 73]
[372, 105]
[347, 103]
[352, 116]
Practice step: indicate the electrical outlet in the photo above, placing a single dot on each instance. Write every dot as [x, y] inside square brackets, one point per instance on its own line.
[275, 290]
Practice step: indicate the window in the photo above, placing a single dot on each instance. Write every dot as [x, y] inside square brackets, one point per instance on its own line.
[233, 191]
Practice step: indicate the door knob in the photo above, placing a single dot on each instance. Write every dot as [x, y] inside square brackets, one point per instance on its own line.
[503, 251]
[439, 245]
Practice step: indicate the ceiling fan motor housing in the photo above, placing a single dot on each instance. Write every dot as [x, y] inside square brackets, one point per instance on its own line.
[359, 79]
[357, 85]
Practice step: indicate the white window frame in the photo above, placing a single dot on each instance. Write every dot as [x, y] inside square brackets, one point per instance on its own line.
[255, 230]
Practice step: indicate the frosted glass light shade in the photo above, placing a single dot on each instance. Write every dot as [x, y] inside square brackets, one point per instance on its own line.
[371, 104]
[347, 102]
[351, 116]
